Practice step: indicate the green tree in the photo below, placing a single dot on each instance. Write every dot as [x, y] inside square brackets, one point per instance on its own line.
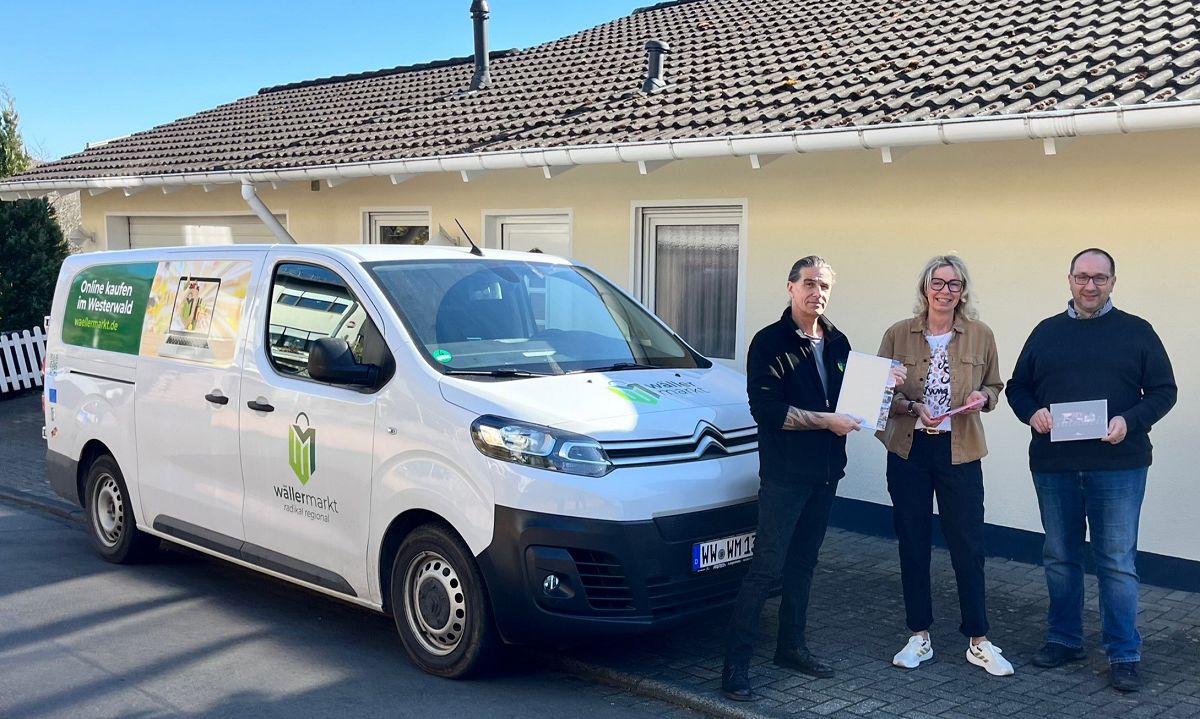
[13, 158]
[32, 247]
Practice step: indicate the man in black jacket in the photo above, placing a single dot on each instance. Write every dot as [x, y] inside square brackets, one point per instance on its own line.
[1092, 351]
[794, 374]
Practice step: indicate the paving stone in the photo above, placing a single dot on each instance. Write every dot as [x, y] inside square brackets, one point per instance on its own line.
[830, 707]
[866, 706]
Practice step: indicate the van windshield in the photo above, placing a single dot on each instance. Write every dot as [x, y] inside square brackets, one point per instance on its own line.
[502, 318]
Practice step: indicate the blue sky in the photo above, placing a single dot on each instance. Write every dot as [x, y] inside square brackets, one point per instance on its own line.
[83, 71]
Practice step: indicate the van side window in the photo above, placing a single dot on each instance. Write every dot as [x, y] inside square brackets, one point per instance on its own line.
[308, 303]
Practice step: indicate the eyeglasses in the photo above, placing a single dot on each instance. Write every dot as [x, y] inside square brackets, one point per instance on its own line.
[937, 284]
[1098, 280]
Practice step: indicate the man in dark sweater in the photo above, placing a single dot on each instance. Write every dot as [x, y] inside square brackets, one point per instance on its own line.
[1092, 351]
[794, 375]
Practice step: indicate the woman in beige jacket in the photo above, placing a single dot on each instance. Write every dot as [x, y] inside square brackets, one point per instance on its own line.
[951, 361]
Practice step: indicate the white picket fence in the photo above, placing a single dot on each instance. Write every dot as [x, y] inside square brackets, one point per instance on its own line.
[21, 357]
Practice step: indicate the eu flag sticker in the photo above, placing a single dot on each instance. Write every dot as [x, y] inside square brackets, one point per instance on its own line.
[52, 395]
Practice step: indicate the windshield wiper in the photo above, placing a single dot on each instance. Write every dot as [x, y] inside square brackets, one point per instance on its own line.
[616, 367]
[498, 373]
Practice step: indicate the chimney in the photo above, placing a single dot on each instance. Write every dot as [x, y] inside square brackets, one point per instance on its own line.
[479, 16]
[656, 79]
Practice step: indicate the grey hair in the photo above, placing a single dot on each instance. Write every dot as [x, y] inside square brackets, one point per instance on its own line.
[966, 303]
[810, 261]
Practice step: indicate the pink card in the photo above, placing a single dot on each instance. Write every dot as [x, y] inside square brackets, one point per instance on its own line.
[935, 421]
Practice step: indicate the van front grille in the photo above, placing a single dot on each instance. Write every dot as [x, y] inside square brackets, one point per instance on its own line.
[707, 442]
[603, 580]
[678, 595]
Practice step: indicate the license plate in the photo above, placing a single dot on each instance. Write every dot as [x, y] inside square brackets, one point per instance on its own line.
[722, 552]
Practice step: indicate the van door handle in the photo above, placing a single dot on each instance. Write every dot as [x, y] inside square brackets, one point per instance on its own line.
[216, 398]
[259, 406]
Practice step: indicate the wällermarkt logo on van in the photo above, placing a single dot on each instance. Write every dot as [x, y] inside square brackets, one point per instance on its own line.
[634, 392]
[302, 449]
[650, 392]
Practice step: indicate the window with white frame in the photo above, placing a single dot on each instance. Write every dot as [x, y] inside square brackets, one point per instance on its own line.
[406, 227]
[546, 231]
[689, 272]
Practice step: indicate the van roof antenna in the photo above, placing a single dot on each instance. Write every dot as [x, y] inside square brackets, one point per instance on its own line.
[474, 248]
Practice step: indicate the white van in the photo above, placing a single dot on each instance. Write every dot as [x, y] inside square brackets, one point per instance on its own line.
[495, 447]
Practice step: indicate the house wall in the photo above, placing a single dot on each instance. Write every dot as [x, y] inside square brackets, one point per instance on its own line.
[1015, 215]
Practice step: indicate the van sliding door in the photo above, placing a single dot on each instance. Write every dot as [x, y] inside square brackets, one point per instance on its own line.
[188, 387]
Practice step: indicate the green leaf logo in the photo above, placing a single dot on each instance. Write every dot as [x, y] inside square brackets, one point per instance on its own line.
[634, 393]
[302, 449]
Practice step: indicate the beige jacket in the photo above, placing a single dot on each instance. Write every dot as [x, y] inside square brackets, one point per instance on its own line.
[973, 366]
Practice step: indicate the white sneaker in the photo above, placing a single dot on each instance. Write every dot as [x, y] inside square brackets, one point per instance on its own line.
[987, 655]
[916, 651]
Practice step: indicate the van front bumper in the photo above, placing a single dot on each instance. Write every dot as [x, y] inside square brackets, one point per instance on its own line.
[605, 577]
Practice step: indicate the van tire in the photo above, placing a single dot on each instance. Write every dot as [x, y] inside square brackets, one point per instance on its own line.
[440, 604]
[111, 525]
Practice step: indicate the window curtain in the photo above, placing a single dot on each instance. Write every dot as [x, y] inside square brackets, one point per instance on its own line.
[695, 284]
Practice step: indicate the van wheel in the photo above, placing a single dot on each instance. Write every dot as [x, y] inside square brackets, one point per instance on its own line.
[111, 525]
[440, 604]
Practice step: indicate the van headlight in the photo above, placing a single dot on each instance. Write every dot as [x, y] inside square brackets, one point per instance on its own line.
[541, 447]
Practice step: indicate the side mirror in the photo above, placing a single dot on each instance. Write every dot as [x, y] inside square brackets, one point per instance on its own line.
[330, 360]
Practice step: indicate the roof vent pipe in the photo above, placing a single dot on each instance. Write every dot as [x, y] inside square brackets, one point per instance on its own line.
[479, 16]
[656, 79]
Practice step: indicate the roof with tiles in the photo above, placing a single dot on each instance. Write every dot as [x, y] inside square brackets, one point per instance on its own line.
[736, 67]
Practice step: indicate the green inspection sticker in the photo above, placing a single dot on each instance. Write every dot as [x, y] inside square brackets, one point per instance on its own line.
[442, 356]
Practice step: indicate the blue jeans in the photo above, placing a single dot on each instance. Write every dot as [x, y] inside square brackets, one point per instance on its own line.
[1110, 503]
[791, 527]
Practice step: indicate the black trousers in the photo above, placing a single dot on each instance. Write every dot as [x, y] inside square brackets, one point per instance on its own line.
[913, 482]
[791, 526]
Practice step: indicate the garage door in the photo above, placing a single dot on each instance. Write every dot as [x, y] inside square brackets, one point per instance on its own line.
[208, 230]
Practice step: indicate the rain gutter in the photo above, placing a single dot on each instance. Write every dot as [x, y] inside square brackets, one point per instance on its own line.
[1046, 126]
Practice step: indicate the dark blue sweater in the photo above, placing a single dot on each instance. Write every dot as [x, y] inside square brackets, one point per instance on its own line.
[1116, 356]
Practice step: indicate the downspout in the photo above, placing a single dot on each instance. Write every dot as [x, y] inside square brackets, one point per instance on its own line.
[251, 197]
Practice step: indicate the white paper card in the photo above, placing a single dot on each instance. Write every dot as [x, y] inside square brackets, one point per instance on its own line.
[1079, 420]
[865, 394]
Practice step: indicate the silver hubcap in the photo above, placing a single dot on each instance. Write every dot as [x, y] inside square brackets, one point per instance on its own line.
[108, 510]
[434, 603]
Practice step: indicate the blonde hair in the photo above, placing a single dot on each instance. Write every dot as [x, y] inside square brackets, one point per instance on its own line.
[966, 302]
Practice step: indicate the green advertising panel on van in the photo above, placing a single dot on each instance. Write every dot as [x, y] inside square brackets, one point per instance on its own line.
[106, 306]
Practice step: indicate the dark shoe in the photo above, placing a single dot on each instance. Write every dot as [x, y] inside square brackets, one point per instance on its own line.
[735, 682]
[1053, 654]
[1124, 677]
[804, 662]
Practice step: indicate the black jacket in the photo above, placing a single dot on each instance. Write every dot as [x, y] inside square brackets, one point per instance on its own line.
[781, 373]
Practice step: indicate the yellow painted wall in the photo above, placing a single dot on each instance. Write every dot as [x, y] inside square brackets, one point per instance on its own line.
[1014, 214]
